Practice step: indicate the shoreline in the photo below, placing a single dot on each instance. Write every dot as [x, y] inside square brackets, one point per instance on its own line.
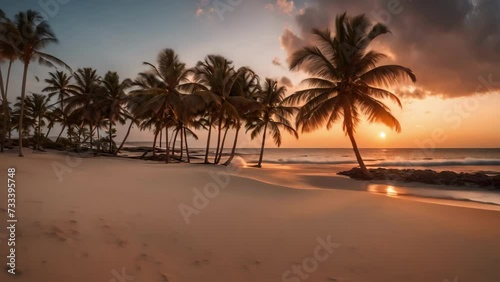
[417, 191]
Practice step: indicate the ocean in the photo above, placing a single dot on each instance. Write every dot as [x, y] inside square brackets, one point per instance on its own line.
[486, 160]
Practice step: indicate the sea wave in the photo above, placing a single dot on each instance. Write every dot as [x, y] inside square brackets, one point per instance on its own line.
[447, 162]
[379, 162]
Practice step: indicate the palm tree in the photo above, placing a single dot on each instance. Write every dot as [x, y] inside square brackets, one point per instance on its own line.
[85, 104]
[59, 84]
[166, 103]
[36, 34]
[346, 79]
[216, 77]
[8, 52]
[37, 107]
[114, 91]
[244, 100]
[36, 112]
[137, 99]
[274, 115]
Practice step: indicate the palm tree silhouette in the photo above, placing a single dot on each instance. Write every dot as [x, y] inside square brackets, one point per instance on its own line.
[164, 87]
[346, 80]
[60, 85]
[274, 115]
[36, 112]
[216, 77]
[36, 34]
[8, 52]
[114, 99]
[84, 106]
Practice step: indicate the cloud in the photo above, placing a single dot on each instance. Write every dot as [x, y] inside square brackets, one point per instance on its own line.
[276, 61]
[290, 42]
[199, 12]
[285, 81]
[283, 6]
[451, 45]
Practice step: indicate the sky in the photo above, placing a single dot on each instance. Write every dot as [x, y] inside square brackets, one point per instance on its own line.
[452, 47]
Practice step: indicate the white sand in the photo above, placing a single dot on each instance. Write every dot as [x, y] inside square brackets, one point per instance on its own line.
[112, 214]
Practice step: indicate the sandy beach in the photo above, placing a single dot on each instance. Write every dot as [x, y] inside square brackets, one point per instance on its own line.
[136, 221]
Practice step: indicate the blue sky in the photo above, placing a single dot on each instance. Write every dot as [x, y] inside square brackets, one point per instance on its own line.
[121, 34]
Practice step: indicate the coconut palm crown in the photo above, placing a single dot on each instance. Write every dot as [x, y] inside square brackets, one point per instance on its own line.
[346, 81]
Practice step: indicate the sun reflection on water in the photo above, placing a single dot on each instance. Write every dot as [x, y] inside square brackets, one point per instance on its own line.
[391, 191]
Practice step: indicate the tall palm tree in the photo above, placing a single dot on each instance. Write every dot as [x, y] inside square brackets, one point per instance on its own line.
[9, 53]
[59, 84]
[36, 34]
[86, 103]
[274, 115]
[166, 103]
[244, 99]
[114, 100]
[216, 78]
[346, 80]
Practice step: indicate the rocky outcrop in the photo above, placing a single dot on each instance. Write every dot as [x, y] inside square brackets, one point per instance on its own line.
[429, 177]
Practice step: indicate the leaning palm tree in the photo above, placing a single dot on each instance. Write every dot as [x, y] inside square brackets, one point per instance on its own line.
[59, 84]
[274, 115]
[8, 53]
[36, 34]
[346, 79]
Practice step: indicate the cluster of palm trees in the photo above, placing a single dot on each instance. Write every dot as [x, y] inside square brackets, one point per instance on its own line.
[173, 100]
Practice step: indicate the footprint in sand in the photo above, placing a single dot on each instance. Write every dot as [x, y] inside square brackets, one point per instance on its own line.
[56, 232]
[164, 277]
[200, 262]
[121, 242]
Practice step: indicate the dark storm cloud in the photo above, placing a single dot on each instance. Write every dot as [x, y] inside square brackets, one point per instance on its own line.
[450, 45]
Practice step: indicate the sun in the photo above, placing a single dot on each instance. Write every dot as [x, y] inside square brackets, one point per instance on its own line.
[382, 135]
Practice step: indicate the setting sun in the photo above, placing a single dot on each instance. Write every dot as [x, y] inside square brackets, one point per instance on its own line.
[382, 135]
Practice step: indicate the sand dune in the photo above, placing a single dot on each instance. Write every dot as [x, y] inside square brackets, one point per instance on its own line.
[109, 219]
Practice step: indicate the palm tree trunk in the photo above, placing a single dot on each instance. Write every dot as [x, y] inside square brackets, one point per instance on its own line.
[187, 148]
[233, 151]
[39, 132]
[91, 134]
[154, 141]
[60, 133]
[358, 155]
[21, 114]
[208, 140]
[4, 102]
[6, 121]
[182, 142]
[110, 136]
[48, 132]
[124, 139]
[262, 147]
[167, 153]
[173, 143]
[222, 146]
[219, 132]
[161, 136]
